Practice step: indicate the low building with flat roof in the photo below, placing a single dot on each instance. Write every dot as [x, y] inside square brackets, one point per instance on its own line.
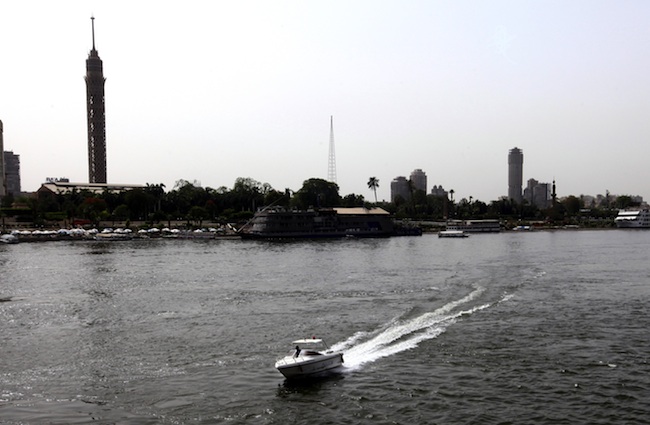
[61, 187]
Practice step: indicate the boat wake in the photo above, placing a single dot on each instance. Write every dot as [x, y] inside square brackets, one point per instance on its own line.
[405, 334]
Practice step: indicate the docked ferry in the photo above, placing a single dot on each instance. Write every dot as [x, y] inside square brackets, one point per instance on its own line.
[634, 219]
[281, 223]
[475, 226]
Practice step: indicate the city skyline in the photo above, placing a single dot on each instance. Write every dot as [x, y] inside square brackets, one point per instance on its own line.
[235, 91]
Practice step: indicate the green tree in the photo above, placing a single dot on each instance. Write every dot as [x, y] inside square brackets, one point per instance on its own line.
[121, 213]
[248, 194]
[92, 209]
[419, 201]
[572, 205]
[317, 193]
[625, 201]
[156, 193]
[7, 200]
[138, 201]
[352, 200]
[197, 215]
[211, 208]
[185, 195]
[275, 197]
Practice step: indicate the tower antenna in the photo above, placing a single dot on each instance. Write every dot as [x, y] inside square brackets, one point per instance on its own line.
[92, 22]
[331, 167]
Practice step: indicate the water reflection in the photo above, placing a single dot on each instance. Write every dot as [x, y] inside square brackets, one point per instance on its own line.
[309, 386]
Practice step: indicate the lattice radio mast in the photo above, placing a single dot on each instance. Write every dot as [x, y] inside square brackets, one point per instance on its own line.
[331, 166]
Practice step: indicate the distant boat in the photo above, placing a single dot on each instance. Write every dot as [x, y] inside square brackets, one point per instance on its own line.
[475, 226]
[633, 219]
[114, 236]
[452, 234]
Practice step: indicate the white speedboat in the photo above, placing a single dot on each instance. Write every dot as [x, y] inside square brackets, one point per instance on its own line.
[309, 357]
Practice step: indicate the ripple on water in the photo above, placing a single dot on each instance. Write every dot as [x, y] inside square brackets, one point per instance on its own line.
[536, 328]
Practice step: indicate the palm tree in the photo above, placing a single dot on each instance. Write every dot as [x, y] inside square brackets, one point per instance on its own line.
[373, 184]
[451, 192]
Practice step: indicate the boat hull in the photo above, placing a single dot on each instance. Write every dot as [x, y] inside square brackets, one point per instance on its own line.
[452, 234]
[278, 223]
[303, 367]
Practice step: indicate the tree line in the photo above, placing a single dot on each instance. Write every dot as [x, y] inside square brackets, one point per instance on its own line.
[190, 202]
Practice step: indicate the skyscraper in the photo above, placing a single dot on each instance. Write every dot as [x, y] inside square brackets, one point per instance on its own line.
[419, 179]
[515, 174]
[399, 187]
[538, 194]
[12, 173]
[96, 115]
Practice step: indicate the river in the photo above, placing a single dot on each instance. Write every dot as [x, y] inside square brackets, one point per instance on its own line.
[546, 327]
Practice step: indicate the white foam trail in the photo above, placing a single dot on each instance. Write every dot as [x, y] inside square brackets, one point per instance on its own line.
[398, 336]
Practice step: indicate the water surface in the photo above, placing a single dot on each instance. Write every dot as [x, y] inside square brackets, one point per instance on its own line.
[537, 327]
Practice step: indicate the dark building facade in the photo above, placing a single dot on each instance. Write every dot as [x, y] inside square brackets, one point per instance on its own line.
[96, 115]
[399, 187]
[12, 173]
[419, 179]
[538, 194]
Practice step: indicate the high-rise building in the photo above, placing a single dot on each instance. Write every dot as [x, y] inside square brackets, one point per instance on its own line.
[439, 191]
[3, 187]
[538, 194]
[515, 174]
[12, 173]
[542, 195]
[528, 191]
[96, 115]
[419, 179]
[399, 187]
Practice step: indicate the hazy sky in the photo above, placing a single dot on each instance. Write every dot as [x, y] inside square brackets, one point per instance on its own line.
[215, 90]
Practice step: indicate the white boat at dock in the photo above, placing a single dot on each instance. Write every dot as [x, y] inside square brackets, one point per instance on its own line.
[8, 239]
[633, 219]
[452, 234]
[475, 226]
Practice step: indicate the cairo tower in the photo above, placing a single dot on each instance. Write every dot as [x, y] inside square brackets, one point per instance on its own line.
[96, 115]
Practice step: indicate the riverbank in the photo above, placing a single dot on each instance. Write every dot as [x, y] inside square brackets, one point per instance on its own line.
[120, 234]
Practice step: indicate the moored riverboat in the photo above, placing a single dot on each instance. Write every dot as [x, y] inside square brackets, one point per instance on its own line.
[475, 226]
[280, 223]
[633, 219]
